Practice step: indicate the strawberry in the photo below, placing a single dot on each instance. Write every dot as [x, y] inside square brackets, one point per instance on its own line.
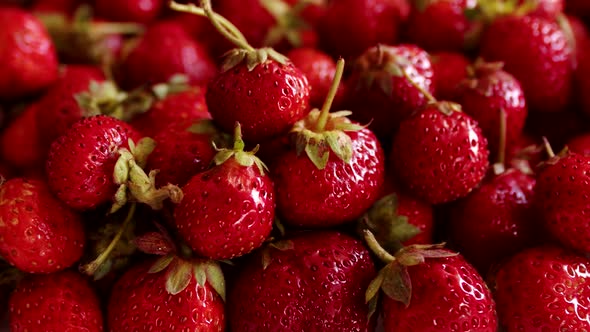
[164, 50]
[349, 27]
[538, 53]
[487, 92]
[441, 25]
[440, 153]
[580, 144]
[379, 90]
[140, 11]
[543, 289]
[450, 69]
[259, 88]
[62, 301]
[313, 282]
[340, 175]
[168, 294]
[561, 199]
[40, 234]
[545, 8]
[428, 288]
[19, 141]
[28, 61]
[582, 40]
[236, 205]
[182, 150]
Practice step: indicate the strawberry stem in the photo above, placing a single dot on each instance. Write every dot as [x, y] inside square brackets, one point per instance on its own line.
[238, 141]
[426, 94]
[325, 112]
[377, 249]
[548, 147]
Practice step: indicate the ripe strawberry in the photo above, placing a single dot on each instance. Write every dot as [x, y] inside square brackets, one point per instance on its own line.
[168, 294]
[561, 199]
[81, 163]
[236, 205]
[537, 52]
[440, 153]
[441, 25]
[39, 234]
[164, 50]
[582, 40]
[314, 282]
[487, 92]
[545, 8]
[61, 301]
[450, 69]
[28, 61]
[339, 177]
[140, 11]
[580, 144]
[19, 141]
[380, 92]
[349, 27]
[544, 289]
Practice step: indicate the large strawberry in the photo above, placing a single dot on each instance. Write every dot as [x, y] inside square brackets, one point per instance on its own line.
[440, 153]
[62, 301]
[236, 205]
[142, 11]
[538, 53]
[39, 233]
[259, 88]
[312, 282]
[335, 171]
[450, 69]
[544, 289]
[28, 60]
[19, 142]
[380, 89]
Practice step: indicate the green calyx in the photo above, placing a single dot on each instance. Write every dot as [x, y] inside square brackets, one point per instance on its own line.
[489, 10]
[252, 58]
[289, 23]
[243, 158]
[378, 65]
[281, 245]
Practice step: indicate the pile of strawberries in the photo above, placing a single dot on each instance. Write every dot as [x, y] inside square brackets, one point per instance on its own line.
[295, 165]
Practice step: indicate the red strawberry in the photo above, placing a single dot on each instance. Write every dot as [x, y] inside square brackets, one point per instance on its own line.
[545, 8]
[164, 50]
[380, 93]
[19, 142]
[314, 282]
[580, 144]
[561, 199]
[538, 53]
[168, 294]
[440, 153]
[349, 27]
[61, 301]
[81, 163]
[487, 92]
[582, 40]
[450, 69]
[40, 234]
[340, 175]
[441, 25]
[544, 289]
[28, 60]
[141, 11]
[236, 205]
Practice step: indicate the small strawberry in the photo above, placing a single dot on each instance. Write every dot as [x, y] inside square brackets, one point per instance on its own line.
[19, 141]
[544, 289]
[313, 282]
[580, 144]
[28, 60]
[140, 11]
[428, 288]
[236, 205]
[340, 175]
[539, 55]
[39, 234]
[165, 50]
[379, 88]
[440, 153]
[450, 69]
[259, 88]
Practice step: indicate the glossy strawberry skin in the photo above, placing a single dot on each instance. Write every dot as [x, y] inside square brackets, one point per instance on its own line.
[266, 101]
[496, 220]
[164, 50]
[40, 234]
[447, 294]
[317, 285]
[140, 11]
[544, 289]
[19, 141]
[340, 193]
[176, 108]
[141, 294]
[80, 164]
[28, 61]
[62, 301]
[537, 53]
[439, 157]
[562, 200]
[450, 69]
[235, 210]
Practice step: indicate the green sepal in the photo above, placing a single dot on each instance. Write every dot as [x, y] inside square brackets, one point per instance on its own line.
[178, 277]
[210, 272]
[243, 158]
[252, 59]
[102, 98]
[176, 84]
[397, 284]
[161, 264]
